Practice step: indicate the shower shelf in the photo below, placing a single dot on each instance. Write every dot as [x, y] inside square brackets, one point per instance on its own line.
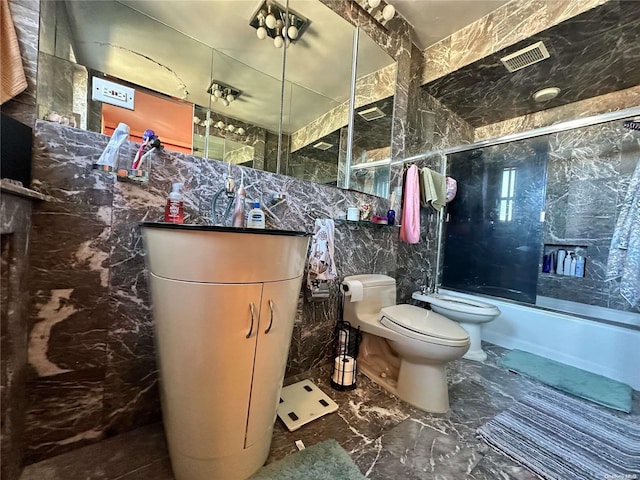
[363, 223]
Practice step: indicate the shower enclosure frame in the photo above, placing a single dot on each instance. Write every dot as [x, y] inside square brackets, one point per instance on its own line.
[538, 132]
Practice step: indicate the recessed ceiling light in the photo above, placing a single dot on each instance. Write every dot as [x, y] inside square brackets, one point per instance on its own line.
[546, 94]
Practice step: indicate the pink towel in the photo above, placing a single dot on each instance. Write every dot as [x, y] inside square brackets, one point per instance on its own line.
[410, 227]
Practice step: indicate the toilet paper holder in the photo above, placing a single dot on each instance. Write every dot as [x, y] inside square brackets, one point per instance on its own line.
[346, 342]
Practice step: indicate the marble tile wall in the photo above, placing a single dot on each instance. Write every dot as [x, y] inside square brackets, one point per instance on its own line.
[588, 173]
[15, 222]
[514, 21]
[92, 370]
[609, 102]
[590, 57]
[430, 128]
[25, 15]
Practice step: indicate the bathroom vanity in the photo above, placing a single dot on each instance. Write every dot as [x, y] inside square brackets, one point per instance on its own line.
[224, 301]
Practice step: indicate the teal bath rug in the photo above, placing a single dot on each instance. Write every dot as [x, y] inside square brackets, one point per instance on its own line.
[323, 461]
[560, 437]
[587, 385]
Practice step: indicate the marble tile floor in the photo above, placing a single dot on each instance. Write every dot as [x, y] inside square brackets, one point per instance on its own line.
[387, 438]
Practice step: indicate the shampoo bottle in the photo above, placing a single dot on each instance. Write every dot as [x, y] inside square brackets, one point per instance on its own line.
[567, 264]
[573, 266]
[174, 209]
[256, 217]
[580, 266]
[560, 264]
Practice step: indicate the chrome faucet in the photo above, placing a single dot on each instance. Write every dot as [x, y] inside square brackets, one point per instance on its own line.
[428, 286]
[229, 190]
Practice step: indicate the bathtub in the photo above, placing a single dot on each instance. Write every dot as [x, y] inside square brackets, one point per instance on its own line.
[610, 347]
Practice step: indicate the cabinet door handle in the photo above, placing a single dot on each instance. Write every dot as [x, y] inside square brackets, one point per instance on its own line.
[270, 318]
[251, 327]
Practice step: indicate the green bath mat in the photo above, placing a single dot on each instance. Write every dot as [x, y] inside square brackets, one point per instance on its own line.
[596, 388]
[323, 461]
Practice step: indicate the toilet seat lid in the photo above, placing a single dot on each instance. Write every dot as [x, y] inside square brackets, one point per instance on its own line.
[425, 322]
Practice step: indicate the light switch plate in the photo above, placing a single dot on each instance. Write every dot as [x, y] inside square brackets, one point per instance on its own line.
[113, 93]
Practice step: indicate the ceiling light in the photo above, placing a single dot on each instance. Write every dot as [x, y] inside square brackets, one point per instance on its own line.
[226, 93]
[380, 11]
[546, 94]
[373, 4]
[388, 12]
[240, 131]
[275, 21]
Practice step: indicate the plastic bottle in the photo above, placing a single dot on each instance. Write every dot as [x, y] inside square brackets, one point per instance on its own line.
[560, 264]
[580, 266]
[566, 270]
[256, 217]
[174, 209]
[573, 266]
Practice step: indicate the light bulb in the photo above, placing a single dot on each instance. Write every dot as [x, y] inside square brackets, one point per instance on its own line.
[278, 42]
[388, 12]
[270, 21]
[220, 125]
[196, 120]
[208, 122]
[261, 33]
[373, 3]
[287, 42]
[240, 131]
[230, 98]
[225, 102]
[292, 32]
[231, 128]
[217, 93]
[214, 99]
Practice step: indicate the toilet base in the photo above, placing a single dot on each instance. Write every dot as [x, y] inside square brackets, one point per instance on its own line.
[430, 393]
[475, 349]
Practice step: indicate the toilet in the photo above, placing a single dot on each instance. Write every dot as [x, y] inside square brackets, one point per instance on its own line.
[470, 314]
[404, 348]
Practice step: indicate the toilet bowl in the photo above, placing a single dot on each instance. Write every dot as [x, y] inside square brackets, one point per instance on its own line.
[404, 348]
[470, 314]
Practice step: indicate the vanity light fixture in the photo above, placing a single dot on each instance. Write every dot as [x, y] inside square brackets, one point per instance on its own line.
[229, 128]
[381, 11]
[274, 21]
[225, 93]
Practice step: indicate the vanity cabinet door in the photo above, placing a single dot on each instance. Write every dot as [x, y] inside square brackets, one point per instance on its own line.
[277, 313]
[206, 362]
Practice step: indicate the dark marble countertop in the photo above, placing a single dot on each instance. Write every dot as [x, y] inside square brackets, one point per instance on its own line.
[8, 186]
[214, 228]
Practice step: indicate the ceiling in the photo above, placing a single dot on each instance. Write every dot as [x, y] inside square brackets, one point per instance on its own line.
[433, 20]
[166, 46]
[592, 54]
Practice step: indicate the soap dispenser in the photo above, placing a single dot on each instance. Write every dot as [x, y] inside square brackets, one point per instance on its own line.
[174, 209]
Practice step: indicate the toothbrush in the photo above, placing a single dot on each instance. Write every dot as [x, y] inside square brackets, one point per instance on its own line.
[238, 209]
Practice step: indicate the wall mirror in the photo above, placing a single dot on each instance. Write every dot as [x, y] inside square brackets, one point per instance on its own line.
[189, 50]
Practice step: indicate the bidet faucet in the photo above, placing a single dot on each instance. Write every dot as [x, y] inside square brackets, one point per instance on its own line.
[427, 287]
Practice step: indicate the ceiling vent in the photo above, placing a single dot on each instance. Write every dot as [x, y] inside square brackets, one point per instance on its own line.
[371, 114]
[322, 146]
[527, 56]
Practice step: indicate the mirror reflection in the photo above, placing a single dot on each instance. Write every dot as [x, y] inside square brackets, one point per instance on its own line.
[205, 56]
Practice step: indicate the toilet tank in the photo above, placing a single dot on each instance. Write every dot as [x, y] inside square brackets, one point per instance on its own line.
[378, 291]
